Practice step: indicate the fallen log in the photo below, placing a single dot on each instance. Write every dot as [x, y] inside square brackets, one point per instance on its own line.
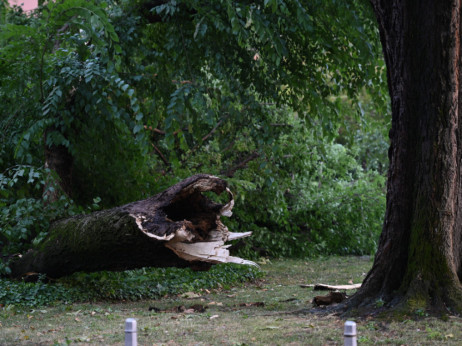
[178, 227]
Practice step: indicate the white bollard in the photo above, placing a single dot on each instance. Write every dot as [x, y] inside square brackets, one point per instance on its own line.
[349, 333]
[130, 332]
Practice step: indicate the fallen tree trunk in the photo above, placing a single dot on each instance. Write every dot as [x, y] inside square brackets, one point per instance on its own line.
[178, 227]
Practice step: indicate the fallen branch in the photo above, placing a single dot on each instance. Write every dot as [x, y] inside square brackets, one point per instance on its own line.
[323, 287]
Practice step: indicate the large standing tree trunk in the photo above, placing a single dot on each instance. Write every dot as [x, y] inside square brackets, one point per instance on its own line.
[178, 227]
[419, 255]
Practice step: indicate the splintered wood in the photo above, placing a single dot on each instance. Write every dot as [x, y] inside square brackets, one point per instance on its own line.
[212, 248]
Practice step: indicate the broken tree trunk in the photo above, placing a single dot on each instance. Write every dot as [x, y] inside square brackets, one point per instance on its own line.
[178, 227]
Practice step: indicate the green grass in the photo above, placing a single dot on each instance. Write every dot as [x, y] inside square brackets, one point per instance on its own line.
[230, 317]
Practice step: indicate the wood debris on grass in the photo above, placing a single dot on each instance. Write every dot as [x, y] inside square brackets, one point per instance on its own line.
[331, 298]
[324, 287]
[181, 308]
[334, 296]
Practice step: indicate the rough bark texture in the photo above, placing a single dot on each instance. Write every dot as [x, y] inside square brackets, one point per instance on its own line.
[419, 256]
[178, 227]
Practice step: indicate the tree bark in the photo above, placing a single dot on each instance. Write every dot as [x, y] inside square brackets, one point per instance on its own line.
[418, 262]
[178, 227]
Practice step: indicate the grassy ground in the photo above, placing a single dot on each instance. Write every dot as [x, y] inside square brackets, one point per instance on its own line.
[254, 314]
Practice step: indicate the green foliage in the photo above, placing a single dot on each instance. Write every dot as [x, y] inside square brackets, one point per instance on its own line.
[302, 195]
[287, 100]
[25, 213]
[291, 53]
[246, 87]
[289, 104]
[32, 294]
[70, 94]
[145, 283]
[322, 201]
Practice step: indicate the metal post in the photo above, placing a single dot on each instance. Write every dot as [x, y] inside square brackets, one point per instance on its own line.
[349, 333]
[130, 332]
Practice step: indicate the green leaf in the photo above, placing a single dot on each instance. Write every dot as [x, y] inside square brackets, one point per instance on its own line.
[137, 128]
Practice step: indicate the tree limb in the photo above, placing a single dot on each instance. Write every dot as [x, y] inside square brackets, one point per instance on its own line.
[230, 172]
[160, 155]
